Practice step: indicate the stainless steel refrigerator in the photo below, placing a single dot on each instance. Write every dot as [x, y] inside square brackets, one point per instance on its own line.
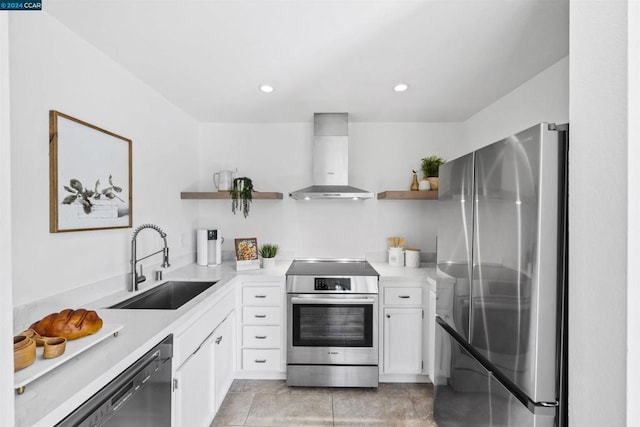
[501, 319]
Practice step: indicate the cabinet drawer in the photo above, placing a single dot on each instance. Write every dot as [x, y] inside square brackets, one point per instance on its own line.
[261, 336]
[260, 360]
[403, 296]
[261, 295]
[261, 315]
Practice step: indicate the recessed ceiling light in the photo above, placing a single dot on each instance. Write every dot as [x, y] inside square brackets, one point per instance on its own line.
[266, 88]
[400, 87]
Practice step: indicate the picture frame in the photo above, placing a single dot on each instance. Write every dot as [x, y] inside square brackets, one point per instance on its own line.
[246, 253]
[90, 176]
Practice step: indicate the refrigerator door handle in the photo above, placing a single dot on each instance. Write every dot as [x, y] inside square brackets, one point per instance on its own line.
[537, 408]
[543, 408]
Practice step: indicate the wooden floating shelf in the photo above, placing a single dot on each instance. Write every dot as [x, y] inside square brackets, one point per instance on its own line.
[225, 195]
[408, 195]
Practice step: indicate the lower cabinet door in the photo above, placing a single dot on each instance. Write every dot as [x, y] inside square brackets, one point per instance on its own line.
[403, 341]
[224, 357]
[195, 388]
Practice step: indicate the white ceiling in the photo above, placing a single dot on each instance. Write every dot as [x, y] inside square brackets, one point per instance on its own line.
[209, 57]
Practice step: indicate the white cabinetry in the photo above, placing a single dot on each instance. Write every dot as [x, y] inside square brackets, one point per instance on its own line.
[204, 360]
[195, 388]
[406, 331]
[403, 341]
[224, 346]
[261, 334]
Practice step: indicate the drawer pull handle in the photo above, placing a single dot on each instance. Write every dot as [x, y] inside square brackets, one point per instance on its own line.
[260, 316]
[260, 360]
[404, 296]
[219, 339]
[261, 337]
[260, 296]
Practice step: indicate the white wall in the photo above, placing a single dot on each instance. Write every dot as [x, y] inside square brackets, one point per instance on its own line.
[6, 312]
[598, 214]
[278, 158]
[52, 68]
[544, 98]
[633, 181]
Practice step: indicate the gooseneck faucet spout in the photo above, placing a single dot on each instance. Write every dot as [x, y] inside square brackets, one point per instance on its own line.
[136, 278]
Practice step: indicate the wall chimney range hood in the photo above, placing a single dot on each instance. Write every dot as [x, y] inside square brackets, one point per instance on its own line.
[330, 161]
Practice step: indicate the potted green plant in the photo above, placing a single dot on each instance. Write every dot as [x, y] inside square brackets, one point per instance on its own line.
[430, 167]
[241, 195]
[268, 252]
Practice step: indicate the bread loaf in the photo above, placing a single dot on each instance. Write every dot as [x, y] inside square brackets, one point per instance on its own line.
[69, 324]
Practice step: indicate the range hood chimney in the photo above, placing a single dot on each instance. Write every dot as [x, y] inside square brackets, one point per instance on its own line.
[331, 161]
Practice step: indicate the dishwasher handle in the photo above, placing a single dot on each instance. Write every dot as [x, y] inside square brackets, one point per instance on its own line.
[145, 371]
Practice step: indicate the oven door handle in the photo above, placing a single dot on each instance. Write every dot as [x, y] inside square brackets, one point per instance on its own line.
[337, 301]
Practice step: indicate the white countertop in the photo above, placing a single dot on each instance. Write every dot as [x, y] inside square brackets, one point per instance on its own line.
[50, 398]
[388, 273]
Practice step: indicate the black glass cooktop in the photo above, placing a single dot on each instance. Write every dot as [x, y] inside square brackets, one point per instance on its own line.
[331, 267]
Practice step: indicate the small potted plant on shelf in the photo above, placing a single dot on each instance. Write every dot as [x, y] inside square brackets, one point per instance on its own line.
[241, 195]
[268, 252]
[430, 167]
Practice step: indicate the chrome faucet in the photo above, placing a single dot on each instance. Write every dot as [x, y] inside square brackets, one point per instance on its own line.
[135, 278]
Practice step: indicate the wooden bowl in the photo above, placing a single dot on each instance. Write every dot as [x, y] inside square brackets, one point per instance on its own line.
[40, 340]
[54, 347]
[24, 352]
[30, 333]
[20, 341]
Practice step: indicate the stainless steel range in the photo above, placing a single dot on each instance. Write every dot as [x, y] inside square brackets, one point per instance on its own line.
[332, 323]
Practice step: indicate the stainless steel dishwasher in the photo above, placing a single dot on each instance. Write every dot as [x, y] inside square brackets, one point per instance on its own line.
[140, 396]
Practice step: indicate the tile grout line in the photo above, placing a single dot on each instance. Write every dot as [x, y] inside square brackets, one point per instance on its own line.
[333, 412]
[415, 411]
[244, 423]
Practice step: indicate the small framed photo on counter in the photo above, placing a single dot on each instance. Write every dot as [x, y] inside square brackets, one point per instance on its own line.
[246, 249]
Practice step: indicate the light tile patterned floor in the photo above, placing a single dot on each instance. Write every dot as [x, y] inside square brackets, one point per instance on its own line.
[271, 403]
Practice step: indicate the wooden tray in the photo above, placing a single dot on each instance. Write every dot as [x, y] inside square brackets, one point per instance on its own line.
[74, 347]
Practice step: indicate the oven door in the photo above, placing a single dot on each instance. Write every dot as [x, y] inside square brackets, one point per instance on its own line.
[332, 329]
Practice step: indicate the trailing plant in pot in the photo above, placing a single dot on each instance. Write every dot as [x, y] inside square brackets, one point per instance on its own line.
[430, 167]
[241, 195]
[268, 252]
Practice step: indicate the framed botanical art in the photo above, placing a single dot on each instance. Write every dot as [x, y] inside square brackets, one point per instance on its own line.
[246, 249]
[89, 176]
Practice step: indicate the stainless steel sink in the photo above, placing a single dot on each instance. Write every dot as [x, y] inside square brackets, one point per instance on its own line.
[168, 296]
